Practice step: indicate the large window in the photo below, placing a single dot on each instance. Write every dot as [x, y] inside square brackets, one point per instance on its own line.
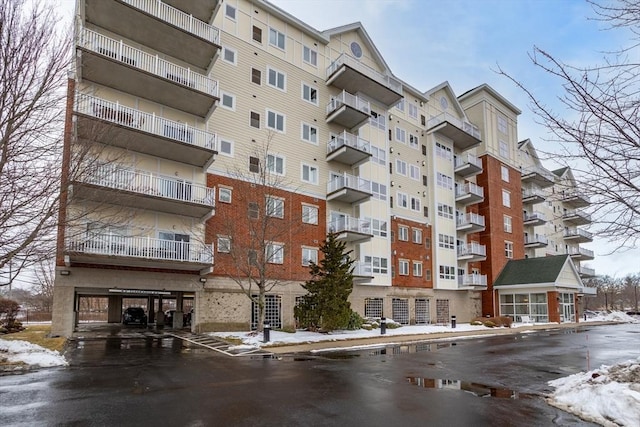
[378, 227]
[378, 265]
[276, 79]
[310, 214]
[443, 151]
[379, 191]
[274, 253]
[444, 181]
[447, 272]
[272, 311]
[310, 56]
[446, 241]
[373, 307]
[275, 164]
[445, 211]
[518, 305]
[275, 207]
[276, 38]
[275, 121]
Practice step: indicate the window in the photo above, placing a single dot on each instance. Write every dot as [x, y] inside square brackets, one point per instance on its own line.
[310, 56]
[400, 105]
[224, 194]
[310, 214]
[275, 207]
[416, 235]
[228, 101]
[276, 38]
[378, 265]
[508, 250]
[275, 121]
[255, 120]
[444, 181]
[257, 34]
[447, 242]
[378, 120]
[427, 274]
[447, 272]
[506, 199]
[226, 147]
[401, 135]
[224, 244]
[378, 155]
[230, 12]
[403, 267]
[274, 253]
[229, 55]
[415, 203]
[309, 174]
[443, 151]
[253, 210]
[309, 255]
[379, 191]
[417, 269]
[504, 149]
[310, 94]
[413, 111]
[403, 233]
[256, 76]
[414, 172]
[508, 225]
[373, 307]
[445, 211]
[502, 124]
[378, 227]
[401, 167]
[403, 201]
[414, 142]
[254, 164]
[276, 78]
[309, 133]
[504, 173]
[275, 164]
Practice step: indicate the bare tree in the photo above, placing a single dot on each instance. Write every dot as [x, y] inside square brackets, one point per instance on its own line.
[254, 233]
[44, 273]
[597, 127]
[34, 59]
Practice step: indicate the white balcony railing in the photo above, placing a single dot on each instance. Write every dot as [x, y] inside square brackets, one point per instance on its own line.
[532, 192]
[576, 212]
[572, 232]
[349, 181]
[470, 218]
[464, 159]
[350, 140]
[535, 239]
[581, 251]
[363, 269]
[350, 224]
[353, 101]
[472, 280]
[586, 271]
[533, 216]
[472, 248]
[469, 188]
[567, 195]
[141, 247]
[137, 181]
[177, 18]
[539, 171]
[467, 127]
[345, 59]
[120, 51]
[145, 122]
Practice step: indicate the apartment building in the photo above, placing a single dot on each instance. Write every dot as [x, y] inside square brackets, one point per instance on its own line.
[188, 122]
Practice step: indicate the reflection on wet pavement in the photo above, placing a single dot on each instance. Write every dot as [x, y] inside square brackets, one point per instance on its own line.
[477, 389]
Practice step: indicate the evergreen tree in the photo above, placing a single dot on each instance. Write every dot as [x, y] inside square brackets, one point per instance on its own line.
[326, 306]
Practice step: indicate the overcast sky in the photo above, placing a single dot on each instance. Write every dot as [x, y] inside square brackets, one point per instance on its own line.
[426, 42]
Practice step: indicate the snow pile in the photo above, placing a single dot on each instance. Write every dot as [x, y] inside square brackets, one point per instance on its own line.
[609, 395]
[614, 316]
[30, 354]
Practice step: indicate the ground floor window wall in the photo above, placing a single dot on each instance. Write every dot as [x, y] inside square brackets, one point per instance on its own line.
[533, 305]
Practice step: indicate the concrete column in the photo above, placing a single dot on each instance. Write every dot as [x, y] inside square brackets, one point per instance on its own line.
[151, 309]
[63, 311]
[178, 319]
[114, 314]
[159, 313]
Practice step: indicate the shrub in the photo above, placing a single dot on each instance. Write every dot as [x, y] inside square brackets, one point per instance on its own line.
[8, 312]
[355, 321]
[489, 324]
[476, 323]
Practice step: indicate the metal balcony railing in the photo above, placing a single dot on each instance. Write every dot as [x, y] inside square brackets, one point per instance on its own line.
[470, 218]
[353, 101]
[469, 188]
[467, 127]
[461, 160]
[361, 268]
[146, 183]
[131, 56]
[587, 271]
[571, 232]
[177, 18]
[472, 280]
[345, 59]
[581, 251]
[536, 238]
[533, 216]
[472, 248]
[349, 181]
[350, 224]
[145, 122]
[350, 140]
[576, 212]
[141, 247]
[539, 171]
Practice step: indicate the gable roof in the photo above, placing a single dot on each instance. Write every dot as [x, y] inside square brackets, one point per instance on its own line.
[452, 96]
[532, 270]
[359, 28]
[485, 87]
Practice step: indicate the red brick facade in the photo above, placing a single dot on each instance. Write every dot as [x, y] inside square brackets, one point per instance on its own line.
[408, 250]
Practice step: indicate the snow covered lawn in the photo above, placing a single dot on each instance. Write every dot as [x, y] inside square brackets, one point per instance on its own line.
[24, 353]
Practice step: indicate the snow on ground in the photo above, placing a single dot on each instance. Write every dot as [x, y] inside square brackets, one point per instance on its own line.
[30, 354]
[609, 395]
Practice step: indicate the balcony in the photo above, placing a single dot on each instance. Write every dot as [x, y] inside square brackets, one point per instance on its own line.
[581, 254]
[532, 196]
[204, 10]
[166, 29]
[116, 125]
[467, 165]
[111, 184]
[348, 149]
[348, 111]
[472, 280]
[472, 252]
[575, 200]
[113, 63]
[534, 219]
[535, 241]
[136, 251]
[349, 74]
[463, 134]
[470, 222]
[586, 272]
[538, 176]
[350, 229]
[362, 271]
[348, 188]
[577, 235]
[576, 217]
[469, 193]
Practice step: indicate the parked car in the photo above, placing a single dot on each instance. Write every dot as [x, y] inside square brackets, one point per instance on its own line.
[134, 315]
[168, 317]
[633, 313]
